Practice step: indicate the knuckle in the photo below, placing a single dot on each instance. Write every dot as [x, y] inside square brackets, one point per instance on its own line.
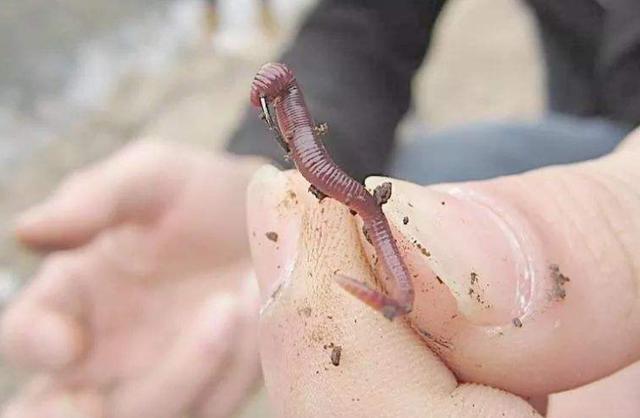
[151, 147]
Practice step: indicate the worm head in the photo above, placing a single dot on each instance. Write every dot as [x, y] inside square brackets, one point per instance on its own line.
[273, 126]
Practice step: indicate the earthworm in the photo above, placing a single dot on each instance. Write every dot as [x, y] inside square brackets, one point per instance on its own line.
[275, 86]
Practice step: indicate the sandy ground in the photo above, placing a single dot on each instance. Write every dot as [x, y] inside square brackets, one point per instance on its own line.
[484, 65]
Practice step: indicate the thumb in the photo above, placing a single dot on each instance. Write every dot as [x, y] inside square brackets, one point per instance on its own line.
[324, 353]
[135, 184]
[530, 282]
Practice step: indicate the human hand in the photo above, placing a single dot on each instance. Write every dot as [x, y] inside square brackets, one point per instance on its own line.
[148, 307]
[526, 284]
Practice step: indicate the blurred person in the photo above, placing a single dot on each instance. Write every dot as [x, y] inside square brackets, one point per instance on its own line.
[147, 304]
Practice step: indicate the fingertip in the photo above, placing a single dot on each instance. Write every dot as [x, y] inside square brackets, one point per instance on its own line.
[30, 226]
[76, 212]
[54, 227]
[40, 339]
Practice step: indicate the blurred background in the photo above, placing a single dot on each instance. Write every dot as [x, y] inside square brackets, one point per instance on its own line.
[79, 78]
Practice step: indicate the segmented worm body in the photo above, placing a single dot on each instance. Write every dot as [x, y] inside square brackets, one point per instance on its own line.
[275, 85]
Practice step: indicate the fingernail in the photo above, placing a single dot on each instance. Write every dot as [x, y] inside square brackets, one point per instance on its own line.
[479, 249]
[274, 219]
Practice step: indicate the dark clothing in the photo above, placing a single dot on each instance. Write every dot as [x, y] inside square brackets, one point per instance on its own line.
[592, 50]
[501, 148]
[356, 58]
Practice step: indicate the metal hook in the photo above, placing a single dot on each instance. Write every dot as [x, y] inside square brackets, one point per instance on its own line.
[266, 112]
[272, 125]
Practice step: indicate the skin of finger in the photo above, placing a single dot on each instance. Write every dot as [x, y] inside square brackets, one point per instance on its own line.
[564, 342]
[91, 199]
[385, 370]
[196, 358]
[161, 186]
[44, 398]
[40, 329]
[242, 373]
[52, 344]
[196, 230]
[207, 224]
[616, 396]
[131, 320]
[126, 319]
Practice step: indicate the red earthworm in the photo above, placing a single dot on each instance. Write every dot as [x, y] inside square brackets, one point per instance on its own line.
[275, 85]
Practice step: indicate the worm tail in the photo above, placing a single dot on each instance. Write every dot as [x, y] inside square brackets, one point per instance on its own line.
[389, 307]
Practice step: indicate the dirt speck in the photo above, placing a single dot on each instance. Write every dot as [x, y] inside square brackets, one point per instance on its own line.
[517, 322]
[321, 129]
[473, 277]
[317, 335]
[317, 193]
[276, 291]
[443, 203]
[272, 236]
[365, 232]
[439, 280]
[437, 343]
[336, 353]
[558, 291]
[405, 220]
[305, 311]
[290, 200]
[423, 250]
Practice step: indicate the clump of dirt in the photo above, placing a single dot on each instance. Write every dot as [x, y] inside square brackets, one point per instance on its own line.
[517, 322]
[336, 353]
[317, 193]
[474, 277]
[405, 220]
[558, 291]
[272, 236]
[382, 193]
[422, 249]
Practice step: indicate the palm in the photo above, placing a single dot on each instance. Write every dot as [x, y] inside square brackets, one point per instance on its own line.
[133, 317]
[151, 237]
